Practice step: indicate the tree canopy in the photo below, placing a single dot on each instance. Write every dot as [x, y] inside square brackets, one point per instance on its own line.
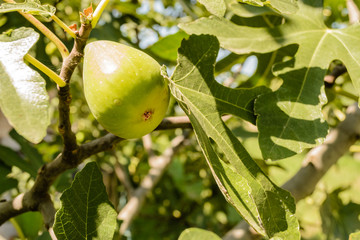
[261, 128]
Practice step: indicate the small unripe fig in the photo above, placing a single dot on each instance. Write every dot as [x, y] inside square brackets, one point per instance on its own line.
[124, 89]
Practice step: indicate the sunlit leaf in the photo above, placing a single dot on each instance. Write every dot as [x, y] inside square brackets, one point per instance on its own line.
[197, 233]
[23, 97]
[283, 6]
[268, 208]
[33, 7]
[246, 10]
[216, 7]
[291, 119]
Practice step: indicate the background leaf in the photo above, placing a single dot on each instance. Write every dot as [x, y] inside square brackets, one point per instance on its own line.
[240, 179]
[11, 158]
[6, 182]
[283, 6]
[30, 223]
[246, 10]
[166, 48]
[339, 219]
[33, 7]
[32, 155]
[86, 212]
[216, 7]
[197, 233]
[23, 97]
[290, 119]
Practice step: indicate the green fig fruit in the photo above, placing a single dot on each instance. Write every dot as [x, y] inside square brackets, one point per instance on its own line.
[124, 89]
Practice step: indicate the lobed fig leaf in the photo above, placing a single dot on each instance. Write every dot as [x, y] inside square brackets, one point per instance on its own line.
[124, 89]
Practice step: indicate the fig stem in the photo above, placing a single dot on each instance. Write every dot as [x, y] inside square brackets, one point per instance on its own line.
[63, 26]
[42, 28]
[98, 11]
[51, 74]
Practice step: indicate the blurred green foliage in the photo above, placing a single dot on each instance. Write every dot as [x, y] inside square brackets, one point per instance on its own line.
[187, 195]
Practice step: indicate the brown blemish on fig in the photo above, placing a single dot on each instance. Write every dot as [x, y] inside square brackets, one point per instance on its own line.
[147, 115]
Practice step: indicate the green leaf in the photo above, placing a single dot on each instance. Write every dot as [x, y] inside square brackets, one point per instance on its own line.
[6, 182]
[290, 119]
[86, 212]
[167, 47]
[23, 97]
[238, 39]
[339, 219]
[30, 152]
[282, 6]
[208, 92]
[258, 3]
[30, 223]
[197, 233]
[248, 11]
[33, 7]
[11, 158]
[216, 7]
[268, 208]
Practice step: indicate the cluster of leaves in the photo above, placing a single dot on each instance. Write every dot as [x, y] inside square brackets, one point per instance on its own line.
[285, 98]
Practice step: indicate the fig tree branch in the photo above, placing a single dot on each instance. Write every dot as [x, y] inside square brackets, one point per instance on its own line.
[180, 122]
[147, 143]
[124, 178]
[174, 122]
[70, 158]
[32, 200]
[315, 165]
[108, 141]
[353, 11]
[321, 158]
[37, 198]
[335, 73]
[66, 72]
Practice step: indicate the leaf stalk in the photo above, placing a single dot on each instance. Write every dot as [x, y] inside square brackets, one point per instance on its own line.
[42, 28]
[51, 74]
[98, 11]
[63, 26]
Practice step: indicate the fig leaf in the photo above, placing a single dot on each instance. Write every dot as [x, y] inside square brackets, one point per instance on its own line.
[23, 97]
